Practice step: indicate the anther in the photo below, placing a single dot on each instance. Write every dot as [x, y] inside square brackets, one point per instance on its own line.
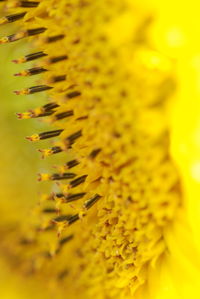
[94, 153]
[54, 38]
[65, 240]
[21, 34]
[61, 218]
[56, 176]
[12, 18]
[33, 89]
[73, 94]
[82, 117]
[30, 57]
[44, 114]
[50, 106]
[56, 149]
[57, 58]
[65, 220]
[62, 115]
[58, 78]
[44, 135]
[90, 202]
[49, 211]
[62, 274]
[72, 138]
[35, 31]
[59, 195]
[73, 219]
[50, 134]
[45, 110]
[63, 176]
[27, 4]
[13, 37]
[73, 197]
[32, 71]
[72, 163]
[76, 182]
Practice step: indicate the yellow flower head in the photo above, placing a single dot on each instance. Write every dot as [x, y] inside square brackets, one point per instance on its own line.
[103, 224]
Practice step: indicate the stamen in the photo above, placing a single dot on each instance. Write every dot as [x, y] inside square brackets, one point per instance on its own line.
[30, 57]
[13, 37]
[45, 110]
[73, 219]
[49, 210]
[65, 240]
[32, 71]
[65, 114]
[63, 176]
[72, 138]
[33, 89]
[58, 78]
[78, 181]
[44, 114]
[56, 149]
[59, 195]
[90, 202]
[58, 59]
[73, 94]
[27, 4]
[12, 18]
[62, 274]
[50, 134]
[44, 135]
[73, 197]
[82, 117]
[21, 34]
[94, 153]
[65, 220]
[72, 164]
[50, 151]
[50, 106]
[61, 218]
[54, 38]
[45, 229]
[35, 31]
[56, 176]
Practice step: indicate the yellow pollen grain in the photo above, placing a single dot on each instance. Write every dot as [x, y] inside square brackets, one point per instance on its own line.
[34, 137]
[44, 177]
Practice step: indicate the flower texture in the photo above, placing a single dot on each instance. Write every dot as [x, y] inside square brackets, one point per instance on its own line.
[100, 228]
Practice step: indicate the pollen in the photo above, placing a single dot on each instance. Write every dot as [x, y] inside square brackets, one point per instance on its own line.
[107, 101]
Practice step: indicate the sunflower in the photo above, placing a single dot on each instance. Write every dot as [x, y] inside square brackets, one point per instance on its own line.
[112, 220]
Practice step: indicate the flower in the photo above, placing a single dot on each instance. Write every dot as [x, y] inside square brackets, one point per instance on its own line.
[118, 196]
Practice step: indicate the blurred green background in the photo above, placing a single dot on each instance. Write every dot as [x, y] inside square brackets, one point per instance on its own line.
[19, 164]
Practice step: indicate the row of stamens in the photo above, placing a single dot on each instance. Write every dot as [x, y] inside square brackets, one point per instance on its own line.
[47, 110]
[31, 32]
